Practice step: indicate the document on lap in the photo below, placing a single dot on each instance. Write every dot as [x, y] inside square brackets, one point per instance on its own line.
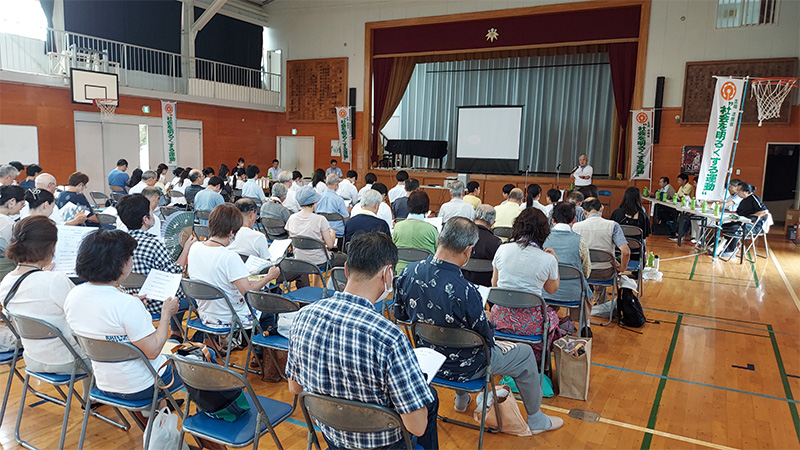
[69, 240]
[254, 264]
[484, 291]
[430, 361]
[160, 285]
[278, 249]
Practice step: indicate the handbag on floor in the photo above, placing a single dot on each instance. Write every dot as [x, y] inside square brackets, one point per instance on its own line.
[510, 415]
[165, 434]
[573, 361]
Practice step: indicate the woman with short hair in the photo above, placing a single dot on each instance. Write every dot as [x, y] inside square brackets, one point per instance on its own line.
[414, 232]
[12, 199]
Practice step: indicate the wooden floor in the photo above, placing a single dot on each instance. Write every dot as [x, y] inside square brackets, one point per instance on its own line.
[719, 370]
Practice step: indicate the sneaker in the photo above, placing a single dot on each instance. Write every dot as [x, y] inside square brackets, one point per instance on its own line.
[673, 238]
[693, 241]
[461, 408]
[555, 423]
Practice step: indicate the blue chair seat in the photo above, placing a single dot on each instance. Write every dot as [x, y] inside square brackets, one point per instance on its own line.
[607, 283]
[6, 357]
[379, 305]
[468, 386]
[306, 294]
[97, 394]
[518, 337]
[197, 324]
[242, 431]
[633, 265]
[275, 341]
[565, 304]
[55, 379]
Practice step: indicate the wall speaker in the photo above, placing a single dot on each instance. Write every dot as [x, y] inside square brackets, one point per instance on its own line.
[659, 102]
[352, 105]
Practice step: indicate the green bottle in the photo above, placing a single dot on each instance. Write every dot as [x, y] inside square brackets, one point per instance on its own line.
[675, 199]
[644, 191]
[572, 186]
[705, 206]
[694, 203]
[650, 259]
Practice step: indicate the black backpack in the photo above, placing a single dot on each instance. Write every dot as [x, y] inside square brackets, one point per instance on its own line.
[630, 310]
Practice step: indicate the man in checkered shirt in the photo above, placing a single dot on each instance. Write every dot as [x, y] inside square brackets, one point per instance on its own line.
[343, 348]
[151, 253]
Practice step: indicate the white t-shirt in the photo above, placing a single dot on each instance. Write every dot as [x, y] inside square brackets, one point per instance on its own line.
[396, 192]
[105, 312]
[348, 192]
[55, 216]
[309, 225]
[524, 268]
[290, 202]
[155, 230]
[250, 242]
[6, 230]
[219, 267]
[384, 212]
[536, 205]
[41, 296]
[138, 188]
[583, 171]
[321, 187]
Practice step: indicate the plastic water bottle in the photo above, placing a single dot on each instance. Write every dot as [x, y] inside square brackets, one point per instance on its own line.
[650, 259]
[705, 206]
[644, 191]
[694, 203]
[572, 186]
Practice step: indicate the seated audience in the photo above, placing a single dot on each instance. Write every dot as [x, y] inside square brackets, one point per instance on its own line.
[39, 203]
[47, 182]
[208, 172]
[148, 179]
[487, 244]
[150, 252]
[367, 218]
[226, 191]
[456, 206]
[507, 211]
[118, 179]
[249, 241]
[306, 223]
[97, 309]
[12, 199]
[384, 210]
[473, 191]
[318, 181]
[274, 207]
[330, 203]
[570, 250]
[576, 198]
[400, 206]
[289, 199]
[76, 184]
[214, 262]
[347, 188]
[664, 214]
[297, 181]
[41, 294]
[369, 179]
[602, 234]
[400, 189]
[631, 212]
[554, 196]
[210, 197]
[196, 178]
[161, 175]
[732, 200]
[333, 169]
[8, 174]
[534, 194]
[589, 191]
[752, 207]
[684, 187]
[450, 300]
[251, 189]
[31, 172]
[136, 178]
[666, 188]
[376, 356]
[415, 232]
[523, 264]
[507, 190]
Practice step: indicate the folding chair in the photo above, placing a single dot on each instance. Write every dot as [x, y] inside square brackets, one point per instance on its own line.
[36, 329]
[264, 413]
[601, 256]
[167, 211]
[273, 228]
[200, 290]
[269, 303]
[349, 415]
[607, 195]
[106, 219]
[99, 199]
[174, 193]
[502, 232]
[201, 215]
[637, 243]
[511, 298]
[10, 359]
[201, 232]
[478, 266]
[291, 267]
[102, 351]
[310, 244]
[332, 217]
[410, 255]
[136, 281]
[117, 196]
[748, 241]
[460, 338]
[339, 278]
[569, 275]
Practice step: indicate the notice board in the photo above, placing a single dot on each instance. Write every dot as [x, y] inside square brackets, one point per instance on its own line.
[315, 87]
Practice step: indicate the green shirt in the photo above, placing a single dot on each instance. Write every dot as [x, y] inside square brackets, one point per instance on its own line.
[412, 233]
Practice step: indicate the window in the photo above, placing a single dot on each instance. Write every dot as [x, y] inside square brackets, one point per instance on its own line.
[745, 13]
[144, 147]
[23, 18]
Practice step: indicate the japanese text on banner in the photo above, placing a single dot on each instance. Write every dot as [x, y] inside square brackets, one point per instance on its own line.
[345, 132]
[169, 122]
[641, 144]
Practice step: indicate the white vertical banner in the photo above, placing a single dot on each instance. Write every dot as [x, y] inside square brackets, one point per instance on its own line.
[169, 122]
[345, 133]
[641, 144]
[719, 139]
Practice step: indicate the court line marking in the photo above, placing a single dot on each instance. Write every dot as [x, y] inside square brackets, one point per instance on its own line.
[629, 426]
[677, 257]
[651, 422]
[785, 280]
[694, 265]
[716, 329]
[698, 383]
[706, 316]
[753, 265]
[785, 380]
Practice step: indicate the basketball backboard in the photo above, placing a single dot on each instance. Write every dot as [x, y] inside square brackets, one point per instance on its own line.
[87, 85]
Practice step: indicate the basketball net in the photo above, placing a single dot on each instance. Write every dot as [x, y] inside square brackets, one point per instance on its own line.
[770, 94]
[107, 107]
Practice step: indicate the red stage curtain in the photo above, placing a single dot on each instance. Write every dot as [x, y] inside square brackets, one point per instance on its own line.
[623, 77]
[381, 75]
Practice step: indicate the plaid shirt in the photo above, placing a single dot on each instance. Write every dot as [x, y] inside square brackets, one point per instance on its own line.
[151, 253]
[341, 347]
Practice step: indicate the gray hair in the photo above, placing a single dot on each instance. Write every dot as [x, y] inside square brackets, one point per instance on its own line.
[371, 197]
[151, 191]
[516, 194]
[245, 205]
[44, 179]
[195, 174]
[148, 175]
[284, 177]
[486, 213]
[456, 189]
[332, 179]
[279, 189]
[457, 234]
[8, 170]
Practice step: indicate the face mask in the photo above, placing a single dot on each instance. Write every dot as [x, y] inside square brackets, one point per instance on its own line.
[386, 290]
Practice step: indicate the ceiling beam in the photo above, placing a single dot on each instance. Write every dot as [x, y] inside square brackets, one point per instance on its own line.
[238, 9]
[207, 15]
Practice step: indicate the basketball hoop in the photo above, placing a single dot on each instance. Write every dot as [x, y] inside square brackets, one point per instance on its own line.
[107, 107]
[770, 94]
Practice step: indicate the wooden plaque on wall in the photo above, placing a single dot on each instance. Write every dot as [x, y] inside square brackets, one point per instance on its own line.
[699, 82]
[315, 87]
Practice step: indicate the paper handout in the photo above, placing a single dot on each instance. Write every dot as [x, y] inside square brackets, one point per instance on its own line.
[430, 361]
[160, 285]
[69, 241]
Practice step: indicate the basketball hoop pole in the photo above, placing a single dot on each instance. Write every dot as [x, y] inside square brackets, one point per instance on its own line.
[730, 167]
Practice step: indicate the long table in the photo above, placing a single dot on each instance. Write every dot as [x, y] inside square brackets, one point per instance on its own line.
[683, 211]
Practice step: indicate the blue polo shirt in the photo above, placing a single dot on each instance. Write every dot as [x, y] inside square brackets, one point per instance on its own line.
[118, 178]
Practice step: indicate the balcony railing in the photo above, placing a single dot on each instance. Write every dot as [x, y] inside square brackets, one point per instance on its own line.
[137, 67]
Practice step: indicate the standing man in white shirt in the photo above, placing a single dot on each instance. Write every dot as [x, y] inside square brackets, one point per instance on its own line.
[274, 171]
[347, 188]
[456, 207]
[399, 190]
[251, 188]
[583, 172]
[149, 178]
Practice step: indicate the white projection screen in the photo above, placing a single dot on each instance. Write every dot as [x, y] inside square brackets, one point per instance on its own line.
[488, 139]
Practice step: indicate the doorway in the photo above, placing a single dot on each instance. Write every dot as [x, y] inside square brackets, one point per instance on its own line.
[296, 153]
[781, 182]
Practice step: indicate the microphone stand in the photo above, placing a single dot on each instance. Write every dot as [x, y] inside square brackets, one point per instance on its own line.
[558, 176]
[527, 168]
